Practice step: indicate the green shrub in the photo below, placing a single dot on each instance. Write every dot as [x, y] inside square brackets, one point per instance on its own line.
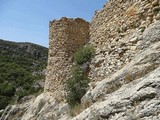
[83, 55]
[1, 113]
[3, 101]
[13, 77]
[76, 86]
[22, 93]
[17, 65]
[7, 89]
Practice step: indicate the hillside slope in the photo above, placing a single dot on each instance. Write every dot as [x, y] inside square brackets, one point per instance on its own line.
[124, 72]
[132, 93]
[21, 65]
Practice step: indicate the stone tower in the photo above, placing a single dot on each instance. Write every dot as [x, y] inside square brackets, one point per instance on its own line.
[65, 36]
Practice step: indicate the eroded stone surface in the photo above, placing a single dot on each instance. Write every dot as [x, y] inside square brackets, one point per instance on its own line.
[43, 107]
[138, 100]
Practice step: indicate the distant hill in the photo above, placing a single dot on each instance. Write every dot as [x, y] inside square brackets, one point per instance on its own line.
[22, 67]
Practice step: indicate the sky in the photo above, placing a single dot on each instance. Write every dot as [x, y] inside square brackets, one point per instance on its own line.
[28, 20]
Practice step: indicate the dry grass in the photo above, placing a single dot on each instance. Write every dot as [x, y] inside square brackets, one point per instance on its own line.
[128, 78]
[59, 97]
[92, 85]
[76, 110]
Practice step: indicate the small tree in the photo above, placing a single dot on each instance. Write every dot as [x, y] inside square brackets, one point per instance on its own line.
[83, 55]
[76, 86]
[4, 100]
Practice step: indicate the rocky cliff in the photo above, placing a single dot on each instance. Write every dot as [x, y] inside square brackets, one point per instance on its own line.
[125, 72]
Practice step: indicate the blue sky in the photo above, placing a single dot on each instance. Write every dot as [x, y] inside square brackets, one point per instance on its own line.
[27, 20]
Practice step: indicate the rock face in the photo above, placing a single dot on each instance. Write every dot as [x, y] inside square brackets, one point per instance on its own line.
[125, 71]
[138, 100]
[43, 107]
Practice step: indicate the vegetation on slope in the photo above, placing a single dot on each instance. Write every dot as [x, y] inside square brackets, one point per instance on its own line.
[21, 65]
[83, 55]
[76, 85]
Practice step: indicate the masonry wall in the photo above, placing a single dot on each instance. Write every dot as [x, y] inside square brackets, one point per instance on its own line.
[111, 33]
[65, 37]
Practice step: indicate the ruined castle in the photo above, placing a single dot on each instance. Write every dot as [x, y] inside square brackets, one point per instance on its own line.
[107, 32]
[125, 71]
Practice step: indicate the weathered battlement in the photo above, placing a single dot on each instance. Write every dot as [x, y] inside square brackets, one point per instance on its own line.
[65, 36]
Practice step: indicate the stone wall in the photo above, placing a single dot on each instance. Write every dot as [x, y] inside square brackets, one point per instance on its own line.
[66, 36]
[111, 33]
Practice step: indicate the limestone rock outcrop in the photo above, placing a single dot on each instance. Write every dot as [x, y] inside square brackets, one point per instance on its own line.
[138, 100]
[43, 107]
